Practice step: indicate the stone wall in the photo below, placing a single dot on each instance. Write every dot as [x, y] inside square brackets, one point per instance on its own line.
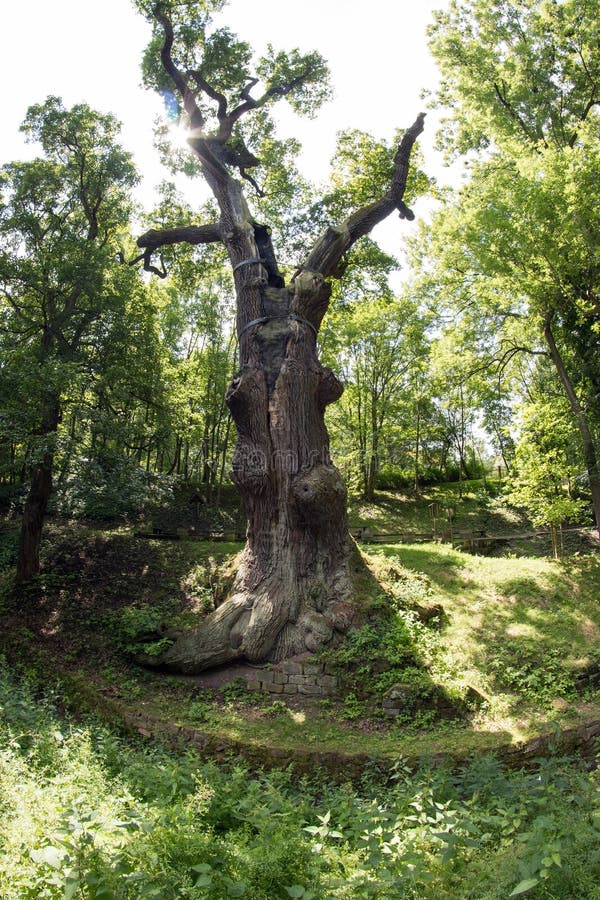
[295, 676]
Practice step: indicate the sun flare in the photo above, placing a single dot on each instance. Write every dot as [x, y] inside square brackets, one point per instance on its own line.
[178, 136]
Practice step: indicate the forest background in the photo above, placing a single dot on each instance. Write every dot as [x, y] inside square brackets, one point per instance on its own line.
[477, 359]
[461, 350]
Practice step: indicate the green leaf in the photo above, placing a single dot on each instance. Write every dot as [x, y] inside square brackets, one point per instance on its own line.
[71, 887]
[524, 886]
[52, 856]
[202, 868]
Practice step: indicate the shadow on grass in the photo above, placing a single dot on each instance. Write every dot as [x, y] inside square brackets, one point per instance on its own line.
[526, 622]
[554, 613]
[90, 579]
[439, 562]
[531, 626]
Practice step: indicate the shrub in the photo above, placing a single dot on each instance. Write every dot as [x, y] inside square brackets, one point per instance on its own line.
[393, 478]
[9, 541]
[109, 486]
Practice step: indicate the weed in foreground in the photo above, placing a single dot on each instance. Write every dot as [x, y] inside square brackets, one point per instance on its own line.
[85, 813]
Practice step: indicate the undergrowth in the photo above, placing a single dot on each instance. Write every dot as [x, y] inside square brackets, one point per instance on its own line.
[87, 813]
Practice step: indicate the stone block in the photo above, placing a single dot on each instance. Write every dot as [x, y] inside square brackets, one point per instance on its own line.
[275, 688]
[409, 694]
[254, 685]
[389, 703]
[280, 678]
[292, 667]
[290, 688]
[474, 697]
[313, 689]
[312, 668]
[309, 679]
[391, 711]
[328, 681]
[296, 679]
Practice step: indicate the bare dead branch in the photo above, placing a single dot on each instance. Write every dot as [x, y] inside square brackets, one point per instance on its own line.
[245, 92]
[197, 122]
[185, 234]
[335, 242]
[203, 85]
[187, 96]
[251, 103]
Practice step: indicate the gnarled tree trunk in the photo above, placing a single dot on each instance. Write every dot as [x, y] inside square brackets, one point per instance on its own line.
[293, 590]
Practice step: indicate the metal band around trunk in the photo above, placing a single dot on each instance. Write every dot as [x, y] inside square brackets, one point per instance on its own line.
[248, 262]
[264, 319]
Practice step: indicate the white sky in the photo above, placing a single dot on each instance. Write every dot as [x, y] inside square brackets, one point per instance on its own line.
[90, 50]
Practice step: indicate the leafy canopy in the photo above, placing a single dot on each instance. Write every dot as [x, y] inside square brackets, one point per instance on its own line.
[218, 58]
[526, 71]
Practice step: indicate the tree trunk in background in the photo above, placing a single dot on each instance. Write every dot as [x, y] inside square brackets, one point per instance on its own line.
[373, 465]
[589, 449]
[36, 504]
[417, 446]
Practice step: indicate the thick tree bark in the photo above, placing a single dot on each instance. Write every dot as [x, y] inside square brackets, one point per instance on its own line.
[36, 504]
[293, 589]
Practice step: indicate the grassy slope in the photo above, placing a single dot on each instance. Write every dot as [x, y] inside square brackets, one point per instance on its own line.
[514, 627]
[526, 616]
[473, 508]
[85, 812]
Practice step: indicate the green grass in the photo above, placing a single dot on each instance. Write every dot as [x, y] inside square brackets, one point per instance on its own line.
[477, 508]
[518, 630]
[508, 621]
[85, 813]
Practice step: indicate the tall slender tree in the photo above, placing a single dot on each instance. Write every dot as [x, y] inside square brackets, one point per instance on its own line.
[61, 216]
[521, 82]
[375, 345]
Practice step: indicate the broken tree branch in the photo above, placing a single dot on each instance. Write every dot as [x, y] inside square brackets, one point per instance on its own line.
[329, 249]
[184, 234]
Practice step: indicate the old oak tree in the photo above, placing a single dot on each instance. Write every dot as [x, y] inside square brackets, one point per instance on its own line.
[293, 590]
